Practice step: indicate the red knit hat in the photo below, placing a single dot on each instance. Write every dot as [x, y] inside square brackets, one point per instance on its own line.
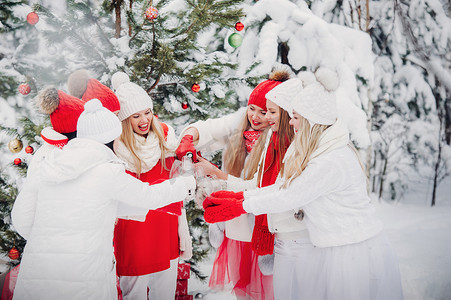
[62, 108]
[82, 86]
[257, 96]
[97, 90]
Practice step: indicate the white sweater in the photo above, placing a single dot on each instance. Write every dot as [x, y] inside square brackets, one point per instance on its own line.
[332, 192]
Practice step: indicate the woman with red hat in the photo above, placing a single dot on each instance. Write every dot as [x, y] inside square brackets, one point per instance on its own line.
[236, 261]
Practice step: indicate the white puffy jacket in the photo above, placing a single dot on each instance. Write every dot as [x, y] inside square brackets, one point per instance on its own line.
[67, 214]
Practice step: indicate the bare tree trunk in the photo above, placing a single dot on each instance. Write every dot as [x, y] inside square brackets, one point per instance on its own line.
[436, 171]
[383, 172]
[367, 23]
[448, 120]
[440, 116]
[117, 10]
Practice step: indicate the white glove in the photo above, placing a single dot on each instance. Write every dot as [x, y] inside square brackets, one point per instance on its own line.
[216, 234]
[266, 264]
[186, 244]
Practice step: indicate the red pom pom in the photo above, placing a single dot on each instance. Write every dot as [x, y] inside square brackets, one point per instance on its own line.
[32, 18]
[195, 88]
[151, 13]
[239, 26]
[29, 149]
[184, 105]
[17, 161]
[24, 88]
[13, 253]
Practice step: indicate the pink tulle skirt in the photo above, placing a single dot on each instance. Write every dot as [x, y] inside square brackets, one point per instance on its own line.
[236, 268]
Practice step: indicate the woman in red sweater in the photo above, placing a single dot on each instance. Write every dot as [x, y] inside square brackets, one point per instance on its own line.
[147, 250]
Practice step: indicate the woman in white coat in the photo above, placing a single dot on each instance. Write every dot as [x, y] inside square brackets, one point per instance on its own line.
[68, 210]
[345, 255]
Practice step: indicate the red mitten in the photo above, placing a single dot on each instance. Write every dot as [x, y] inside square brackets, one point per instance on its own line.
[222, 209]
[186, 145]
[227, 194]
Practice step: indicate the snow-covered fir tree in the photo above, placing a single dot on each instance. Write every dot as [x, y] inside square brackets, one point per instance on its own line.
[410, 94]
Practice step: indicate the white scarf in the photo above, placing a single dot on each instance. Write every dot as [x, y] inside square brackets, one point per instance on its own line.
[147, 149]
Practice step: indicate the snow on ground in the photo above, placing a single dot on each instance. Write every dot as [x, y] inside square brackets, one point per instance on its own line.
[421, 237]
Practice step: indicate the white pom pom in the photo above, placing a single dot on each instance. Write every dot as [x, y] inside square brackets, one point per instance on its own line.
[307, 78]
[93, 105]
[119, 78]
[328, 78]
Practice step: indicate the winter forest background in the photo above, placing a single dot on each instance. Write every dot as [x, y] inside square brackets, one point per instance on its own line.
[393, 58]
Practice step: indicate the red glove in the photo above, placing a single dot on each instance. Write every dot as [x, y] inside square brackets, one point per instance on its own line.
[223, 206]
[186, 145]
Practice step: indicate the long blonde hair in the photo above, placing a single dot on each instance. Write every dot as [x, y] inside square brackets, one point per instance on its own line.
[235, 155]
[127, 137]
[306, 141]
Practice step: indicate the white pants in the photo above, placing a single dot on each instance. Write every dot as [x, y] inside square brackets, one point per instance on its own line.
[161, 285]
[290, 261]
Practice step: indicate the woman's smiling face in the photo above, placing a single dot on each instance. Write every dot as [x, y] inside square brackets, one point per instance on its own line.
[141, 121]
[256, 117]
[272, 115]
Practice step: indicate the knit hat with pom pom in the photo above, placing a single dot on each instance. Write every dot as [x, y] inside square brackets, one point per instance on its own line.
[312, 95]
[132, 97]
[98, 123]
[81, 85]
[317, 101]
[257, 96]
[62, 108]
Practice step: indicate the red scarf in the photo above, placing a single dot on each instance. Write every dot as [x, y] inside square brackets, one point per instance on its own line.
[250, 137]
[262, 238]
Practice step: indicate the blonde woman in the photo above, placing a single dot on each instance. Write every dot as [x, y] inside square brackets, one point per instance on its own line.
[344, 254]
[147, 252]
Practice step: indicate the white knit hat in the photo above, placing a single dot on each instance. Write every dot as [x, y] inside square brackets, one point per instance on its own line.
[284, 93]
[317, 102]
[132, 97]
[98, 123]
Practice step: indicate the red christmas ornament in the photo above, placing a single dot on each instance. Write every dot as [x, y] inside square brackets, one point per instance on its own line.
[184, 105]
[195, 88]
[32, 18]
[24, 88]
[239, 26]
[17, 161]
[151, 13]
[13, 253]
[29, 149]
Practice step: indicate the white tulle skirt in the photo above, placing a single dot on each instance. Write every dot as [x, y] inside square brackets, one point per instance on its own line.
[366, 270]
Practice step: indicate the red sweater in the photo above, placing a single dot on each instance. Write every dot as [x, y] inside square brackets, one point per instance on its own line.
[147, 247]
